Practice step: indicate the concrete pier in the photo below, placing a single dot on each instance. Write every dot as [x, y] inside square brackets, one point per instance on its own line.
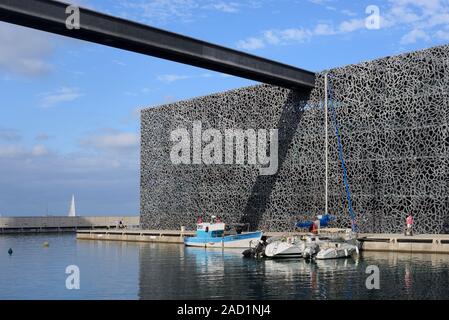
[422, 243]
[425, 243]
[62, 223]
[163, 236]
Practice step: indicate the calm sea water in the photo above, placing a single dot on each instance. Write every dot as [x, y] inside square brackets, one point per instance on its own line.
[121, 270]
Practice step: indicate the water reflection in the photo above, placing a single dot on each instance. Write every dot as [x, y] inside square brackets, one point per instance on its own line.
[126, 270]
[175, 272]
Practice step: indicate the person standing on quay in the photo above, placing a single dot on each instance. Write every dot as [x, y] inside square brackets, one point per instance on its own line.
[409, 222]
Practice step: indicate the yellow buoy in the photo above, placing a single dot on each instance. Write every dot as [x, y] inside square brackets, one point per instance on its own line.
[46, 244]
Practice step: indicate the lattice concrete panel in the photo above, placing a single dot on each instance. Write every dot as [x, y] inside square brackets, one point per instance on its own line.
[393, 115]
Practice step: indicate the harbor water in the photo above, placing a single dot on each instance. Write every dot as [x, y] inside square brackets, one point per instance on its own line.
[127, 270]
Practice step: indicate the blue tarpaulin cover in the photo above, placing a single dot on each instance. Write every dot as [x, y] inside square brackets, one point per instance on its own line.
[324, 222]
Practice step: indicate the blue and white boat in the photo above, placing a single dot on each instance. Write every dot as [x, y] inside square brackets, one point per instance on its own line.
[212, 235]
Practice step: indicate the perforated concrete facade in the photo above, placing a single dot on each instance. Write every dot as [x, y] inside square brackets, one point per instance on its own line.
[394, 118]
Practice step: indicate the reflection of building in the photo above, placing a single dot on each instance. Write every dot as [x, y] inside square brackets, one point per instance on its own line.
[178, 272]
[175, 272]
[394, 118]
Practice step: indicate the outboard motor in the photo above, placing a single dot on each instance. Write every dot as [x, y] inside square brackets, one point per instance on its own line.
[256, 252]
[310, 251]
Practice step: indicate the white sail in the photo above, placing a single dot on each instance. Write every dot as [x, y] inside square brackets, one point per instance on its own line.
[72, 212]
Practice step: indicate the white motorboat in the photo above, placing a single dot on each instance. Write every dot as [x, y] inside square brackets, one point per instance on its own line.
[335, 250]
[290, 247]
[293, 247]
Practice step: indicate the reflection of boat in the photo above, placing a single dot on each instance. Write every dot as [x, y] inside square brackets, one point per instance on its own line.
[335, 265]
[292, 247]
[335, 250]
[211, 235]
[208, 260]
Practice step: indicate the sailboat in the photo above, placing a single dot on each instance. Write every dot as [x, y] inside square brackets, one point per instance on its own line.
[345, 248]
[72, 212]
[316, 245]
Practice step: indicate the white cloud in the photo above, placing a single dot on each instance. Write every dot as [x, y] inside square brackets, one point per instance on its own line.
[102, 183]
[163, 11]
[20, 151]
[439, 19]
[294, 34]
[401, 14]
[9, 135]
[43, 136]
[320, 2]
[323, 29]
[119, 63]
[111, 141]
[169, 78]
[64, 94]
[275, 37]
[251, 44]
[147, 90]
[11, 147]
[7, 151]
[39, 150]
[270, 37]
[351, 25]
[443, 35]
[349, 13]
[427, 6]
[414, 35]
[25, 51]
[424, 19]
[230, 7]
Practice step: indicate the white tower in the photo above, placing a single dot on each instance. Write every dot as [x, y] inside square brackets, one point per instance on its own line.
[72, 212]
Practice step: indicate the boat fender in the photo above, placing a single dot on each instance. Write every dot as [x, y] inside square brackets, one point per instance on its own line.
[346, 252]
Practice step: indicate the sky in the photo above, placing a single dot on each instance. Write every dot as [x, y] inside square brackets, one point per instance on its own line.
[69, 109]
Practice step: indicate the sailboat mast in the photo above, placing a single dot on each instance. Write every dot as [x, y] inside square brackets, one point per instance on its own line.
[326, 145]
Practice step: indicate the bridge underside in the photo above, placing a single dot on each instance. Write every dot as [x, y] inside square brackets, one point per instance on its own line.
[51, 16]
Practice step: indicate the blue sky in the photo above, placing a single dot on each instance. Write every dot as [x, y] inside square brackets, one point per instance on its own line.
[69, 114]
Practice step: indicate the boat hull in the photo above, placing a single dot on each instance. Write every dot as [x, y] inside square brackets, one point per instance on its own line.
[282, 249]
[243, 240]
[344, 251]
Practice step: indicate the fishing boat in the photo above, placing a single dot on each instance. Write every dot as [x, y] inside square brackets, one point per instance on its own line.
[212, 235]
